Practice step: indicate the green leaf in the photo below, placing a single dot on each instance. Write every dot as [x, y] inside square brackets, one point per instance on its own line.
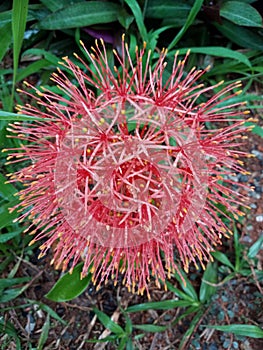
[44, 334]
[9, 116]
[69, 286]
[167, 8]
[8, 282]
[223, 259]
[6, 218]
[209, 277]
[241, 36]
[190, 19]
[258, 130]
[46, 54]
[108, 323]
[7, 190]
[218, 52]
[6, 327]
[55, 5]
[159, 305]
[186, 285]
[179, 293]
[19, 16]
[241, 14]
[241, 329]
[81, 15]
[5, 237]
[136, 10]
[191, 328]
[47, 309]
[32, 68]
[5, 17]
[125, 18]
[150, 327]
[10, 294]
[255, 248]
[6, 39]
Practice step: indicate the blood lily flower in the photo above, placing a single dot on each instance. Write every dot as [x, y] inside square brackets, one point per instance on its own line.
[128, 170]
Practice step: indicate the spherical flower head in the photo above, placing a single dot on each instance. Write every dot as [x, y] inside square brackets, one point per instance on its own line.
[126, 172]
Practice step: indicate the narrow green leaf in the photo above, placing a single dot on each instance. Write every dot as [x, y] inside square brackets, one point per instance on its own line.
[150, 327]
[209, 277]
[6, 218]
[43, 53]
[31, 69]
[136, 10]
[241, 14]
[81, 14]
[6, 190]
[69, 286]
[190, 329]
[186, 286]
[6, 39]
[48, 309]
[223, 259]
[19, 16]
[240, 329]
[255, 248]
[125, 18]
[159, 305]
[128, 324]
[6, 327]
[55, 5]
[44, 333]
[190, 19]
[11, 294]
[108, 323]
[258, 130]
[218, 51]
[167, 8]
[9, 116]
[9, 282]
[241, 36]
[5, 17]
[5, 237]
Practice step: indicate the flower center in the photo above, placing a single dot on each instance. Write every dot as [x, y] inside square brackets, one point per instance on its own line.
[134, 198]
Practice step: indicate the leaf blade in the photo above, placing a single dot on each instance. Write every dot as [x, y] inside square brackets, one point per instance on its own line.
[69, 286]
[241, 14]
[81, 15]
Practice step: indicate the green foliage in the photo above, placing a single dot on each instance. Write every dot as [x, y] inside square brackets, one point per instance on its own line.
[242, 259]
[241, 329]
[80, 15]
[241, 13]
[69, 286]
[19, 17]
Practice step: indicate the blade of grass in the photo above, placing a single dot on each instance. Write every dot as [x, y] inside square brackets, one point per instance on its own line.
[218, 52]
[159, 305]
[136, 10]
[108, 322]
[19, 16]
[9, 116]
[6, 39]
[44, 333]
[190, 19]
[240, 329]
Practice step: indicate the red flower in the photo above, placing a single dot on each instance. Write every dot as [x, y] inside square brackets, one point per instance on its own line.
[132, 179]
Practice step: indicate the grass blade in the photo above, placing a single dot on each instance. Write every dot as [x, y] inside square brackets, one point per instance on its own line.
[136, 10]
[19, 16]
[241, 329]
[190, 19]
